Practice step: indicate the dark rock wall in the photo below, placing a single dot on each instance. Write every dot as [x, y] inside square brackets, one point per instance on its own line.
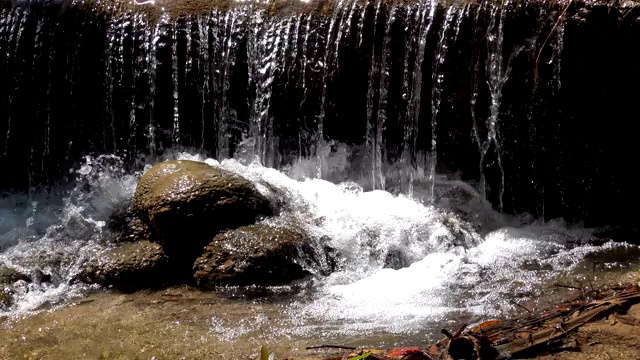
[538, 111]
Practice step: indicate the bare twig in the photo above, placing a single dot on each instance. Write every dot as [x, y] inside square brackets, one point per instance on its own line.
[568, 287]
[516, 304]
[330, 347]
[460, 330]
[446, 333]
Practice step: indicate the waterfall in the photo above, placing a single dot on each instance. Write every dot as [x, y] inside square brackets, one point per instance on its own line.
[421, 16]
[455, 155]
[175, 81]
[450, 24]
[404, 94]
[340, 21]
[498, 74]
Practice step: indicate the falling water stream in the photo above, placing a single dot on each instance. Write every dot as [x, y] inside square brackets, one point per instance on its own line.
[450, 23]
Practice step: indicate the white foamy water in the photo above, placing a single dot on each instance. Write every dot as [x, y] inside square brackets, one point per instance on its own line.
[450, 268]
[364, 226]
[480, 282]
[49, 239]
[402, 264]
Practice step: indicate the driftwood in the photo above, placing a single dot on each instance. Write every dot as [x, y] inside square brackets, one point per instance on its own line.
[493, 340]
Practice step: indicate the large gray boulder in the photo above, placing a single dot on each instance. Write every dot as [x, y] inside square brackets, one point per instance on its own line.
[186, 203]
[260, 254]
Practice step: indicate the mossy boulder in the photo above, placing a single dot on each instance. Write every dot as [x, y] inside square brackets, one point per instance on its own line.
[9, 275]
[131, 265]
[186, 203]
[259, 254]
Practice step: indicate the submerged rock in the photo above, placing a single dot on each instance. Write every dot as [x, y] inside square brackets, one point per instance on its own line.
[469, 205]
[9, 275]
[259, 254]
[396, 259]
[185, 203]
[6, 298]
[129, 266]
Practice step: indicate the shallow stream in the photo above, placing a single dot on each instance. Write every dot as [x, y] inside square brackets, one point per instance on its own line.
[411, 265]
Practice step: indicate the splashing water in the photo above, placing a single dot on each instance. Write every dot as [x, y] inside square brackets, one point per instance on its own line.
[50, 239]
[403, 266]
[454, 255]
[406, 265]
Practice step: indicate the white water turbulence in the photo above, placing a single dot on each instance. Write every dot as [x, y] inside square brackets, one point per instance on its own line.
[402, 266]
[50, 239]
[406, 266]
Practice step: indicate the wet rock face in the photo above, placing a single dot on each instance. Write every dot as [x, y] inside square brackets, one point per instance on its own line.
[185, 203]
[6, 298]
[126, 225]
[9, 275]
[259, 254]
[396, 259]
[133, 265]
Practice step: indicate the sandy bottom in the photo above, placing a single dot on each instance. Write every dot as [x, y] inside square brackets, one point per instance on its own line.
[183, 323]
[178, 323]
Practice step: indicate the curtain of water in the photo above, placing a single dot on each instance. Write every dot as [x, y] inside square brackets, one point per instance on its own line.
[340, 21]
[421, 17]
[14, 27]
[294, 66]
[175, 77]
[372, 95]
[203, 74]
[448, 35]
[42, 56]
[227, 39]
[266, 52]
[498, 74]
[380, 82]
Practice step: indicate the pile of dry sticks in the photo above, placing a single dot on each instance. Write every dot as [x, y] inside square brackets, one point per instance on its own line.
[506, 339]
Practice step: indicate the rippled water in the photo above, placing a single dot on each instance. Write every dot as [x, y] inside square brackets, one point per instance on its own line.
[409, 265]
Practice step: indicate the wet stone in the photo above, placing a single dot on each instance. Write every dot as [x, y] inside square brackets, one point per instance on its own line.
[186, 203]
[396, 259]
[128, 266]
[40, 277]
[126, 225]
[9, 275]
[259, 254]
[6, 299]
